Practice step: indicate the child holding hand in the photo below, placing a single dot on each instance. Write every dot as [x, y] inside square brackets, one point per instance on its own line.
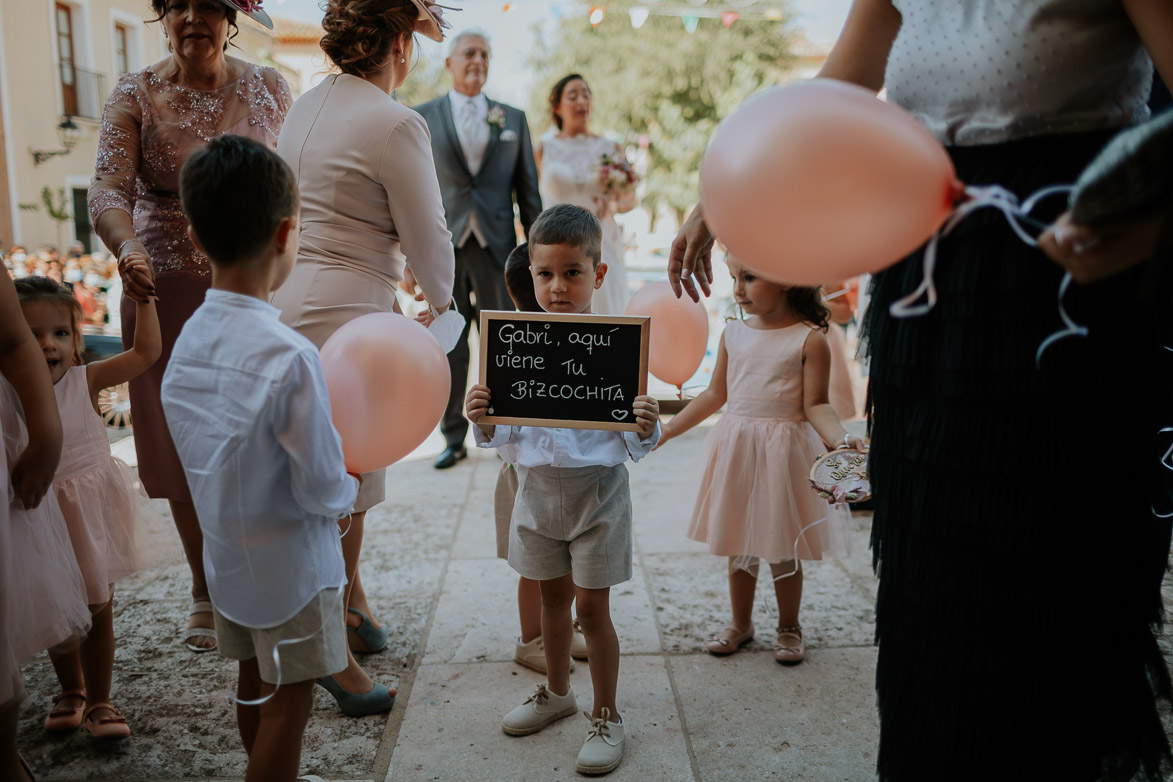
[94, 490]
[571, 523]
[755, 500]
[246, 403]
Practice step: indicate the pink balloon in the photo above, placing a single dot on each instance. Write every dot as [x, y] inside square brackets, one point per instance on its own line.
[388, 381]
[680, 331]
[820, 180]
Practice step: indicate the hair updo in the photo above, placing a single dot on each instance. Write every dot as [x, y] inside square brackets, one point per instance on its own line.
[556, 96]
[360, 33]
[160, 9]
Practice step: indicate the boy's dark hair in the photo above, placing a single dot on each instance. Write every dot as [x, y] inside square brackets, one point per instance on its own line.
[235, 192]
[572, 225]
[519, 281]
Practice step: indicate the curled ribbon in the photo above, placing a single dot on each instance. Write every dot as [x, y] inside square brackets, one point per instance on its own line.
[1167, 463]
[924, 298]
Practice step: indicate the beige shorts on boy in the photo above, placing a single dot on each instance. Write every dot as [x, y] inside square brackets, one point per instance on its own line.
[504, 496]
[572, 520]
[322, 652]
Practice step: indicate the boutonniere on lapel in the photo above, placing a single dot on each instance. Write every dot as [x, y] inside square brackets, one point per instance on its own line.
[496, 117]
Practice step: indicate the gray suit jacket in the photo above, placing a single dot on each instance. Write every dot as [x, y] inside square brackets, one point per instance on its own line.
[507, 172]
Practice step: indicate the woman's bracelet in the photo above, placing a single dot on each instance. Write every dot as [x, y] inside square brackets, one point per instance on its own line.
[122, 246]
[846, 440]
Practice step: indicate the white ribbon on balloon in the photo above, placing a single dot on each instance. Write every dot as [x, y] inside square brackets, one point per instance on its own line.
[289, 642]
[924, 298]
[1167, 463]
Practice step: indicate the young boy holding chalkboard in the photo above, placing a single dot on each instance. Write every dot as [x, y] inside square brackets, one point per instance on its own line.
[529, 649]
[571, 524]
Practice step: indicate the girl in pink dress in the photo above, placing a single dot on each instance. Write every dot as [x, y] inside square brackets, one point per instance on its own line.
[95, 491]
[755, 500]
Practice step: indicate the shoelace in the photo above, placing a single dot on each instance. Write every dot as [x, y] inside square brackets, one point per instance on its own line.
[598, 724]
[541, 695]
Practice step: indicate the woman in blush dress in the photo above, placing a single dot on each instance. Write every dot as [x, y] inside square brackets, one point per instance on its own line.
[370, 205]
[153, 120]
[569, 158]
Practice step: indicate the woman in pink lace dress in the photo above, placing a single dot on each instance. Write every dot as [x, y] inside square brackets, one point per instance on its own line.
[153, 120]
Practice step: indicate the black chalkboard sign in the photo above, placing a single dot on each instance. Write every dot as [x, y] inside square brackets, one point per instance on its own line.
[576, 371]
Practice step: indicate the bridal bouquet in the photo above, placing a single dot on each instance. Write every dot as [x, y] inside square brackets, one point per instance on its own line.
[616, 175]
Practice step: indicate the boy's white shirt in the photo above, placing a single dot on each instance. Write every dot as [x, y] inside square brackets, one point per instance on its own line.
[541, 446]
[247, 406]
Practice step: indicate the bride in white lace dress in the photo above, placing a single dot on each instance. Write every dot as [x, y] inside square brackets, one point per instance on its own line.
[568, 158]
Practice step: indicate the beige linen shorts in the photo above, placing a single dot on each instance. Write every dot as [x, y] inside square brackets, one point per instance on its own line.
[572, 520]
[504, 495]
[321, 651]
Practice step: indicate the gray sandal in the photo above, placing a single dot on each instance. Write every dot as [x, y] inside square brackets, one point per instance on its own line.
[200, 607]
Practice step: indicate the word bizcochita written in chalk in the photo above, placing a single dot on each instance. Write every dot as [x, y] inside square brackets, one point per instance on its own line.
[524, 334]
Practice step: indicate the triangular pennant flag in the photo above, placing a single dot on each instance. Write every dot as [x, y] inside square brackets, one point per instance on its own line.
[728, 18]
[639, 15]
[690, 22]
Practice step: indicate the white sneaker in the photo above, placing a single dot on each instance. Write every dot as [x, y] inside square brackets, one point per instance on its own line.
[533, 654]
[603, 750]
[578, 647]
[538, 711]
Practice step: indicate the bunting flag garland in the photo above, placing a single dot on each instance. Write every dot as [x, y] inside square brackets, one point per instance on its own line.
[689, 16]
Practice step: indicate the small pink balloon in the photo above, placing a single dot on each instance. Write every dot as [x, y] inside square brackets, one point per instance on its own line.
[680, 331]
[820, 180]
[388, 380]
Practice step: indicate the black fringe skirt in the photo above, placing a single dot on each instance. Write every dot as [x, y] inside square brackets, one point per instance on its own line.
[1018, 554]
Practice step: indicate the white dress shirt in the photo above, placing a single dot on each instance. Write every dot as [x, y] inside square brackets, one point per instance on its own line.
[542, 446]
[247, 406]
[471, 117]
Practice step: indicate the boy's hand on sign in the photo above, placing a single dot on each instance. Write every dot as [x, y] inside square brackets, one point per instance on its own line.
[476, 404]
[647, 413]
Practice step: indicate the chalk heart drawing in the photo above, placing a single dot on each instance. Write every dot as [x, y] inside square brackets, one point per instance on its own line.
[619, 415]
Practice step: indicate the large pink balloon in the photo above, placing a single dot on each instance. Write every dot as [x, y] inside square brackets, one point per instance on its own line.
[820, 180]
[680, 331]
[388, 381]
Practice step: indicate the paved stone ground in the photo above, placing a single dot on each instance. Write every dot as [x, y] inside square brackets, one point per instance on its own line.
[429, 566]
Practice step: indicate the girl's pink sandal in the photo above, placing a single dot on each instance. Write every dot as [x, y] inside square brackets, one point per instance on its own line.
[64, 720]
[729, 641]
[790, 648]
[109, 727]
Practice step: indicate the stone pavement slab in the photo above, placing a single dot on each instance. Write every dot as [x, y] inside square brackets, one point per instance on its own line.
[430, 569]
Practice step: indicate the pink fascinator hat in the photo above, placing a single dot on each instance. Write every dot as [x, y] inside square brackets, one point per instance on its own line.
[430, 22]
[251, 9]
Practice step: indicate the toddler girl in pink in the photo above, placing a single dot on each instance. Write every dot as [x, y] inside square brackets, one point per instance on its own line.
[95, 492]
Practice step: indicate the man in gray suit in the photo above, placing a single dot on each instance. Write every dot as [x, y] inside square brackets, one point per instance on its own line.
[484, 161]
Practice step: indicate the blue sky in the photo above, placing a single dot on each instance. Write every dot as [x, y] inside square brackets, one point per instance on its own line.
[508, 77]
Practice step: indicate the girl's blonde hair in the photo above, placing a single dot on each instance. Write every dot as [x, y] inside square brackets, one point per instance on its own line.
[29, 289]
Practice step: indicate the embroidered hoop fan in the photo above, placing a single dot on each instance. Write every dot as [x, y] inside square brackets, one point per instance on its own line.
[841, 476]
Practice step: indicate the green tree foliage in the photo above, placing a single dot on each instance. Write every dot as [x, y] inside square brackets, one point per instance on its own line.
[661, 81]
[428, 79]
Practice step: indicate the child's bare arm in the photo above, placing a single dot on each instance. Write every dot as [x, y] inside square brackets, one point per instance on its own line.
[476, 406]
[23, 364]
[816, 378]
[704, 405]
[148, 346]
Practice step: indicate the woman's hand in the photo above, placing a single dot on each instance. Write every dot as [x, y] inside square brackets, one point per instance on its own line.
[690, 262]
[408, 285]
[138, 276]
[604, 206]
[855, 442]
[1093, 254]
[647, 413]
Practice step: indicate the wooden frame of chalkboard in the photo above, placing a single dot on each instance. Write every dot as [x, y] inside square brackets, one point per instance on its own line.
[573, 371]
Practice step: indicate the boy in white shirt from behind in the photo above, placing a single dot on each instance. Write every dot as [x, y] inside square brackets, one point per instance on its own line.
[246, 403]
[571, 525]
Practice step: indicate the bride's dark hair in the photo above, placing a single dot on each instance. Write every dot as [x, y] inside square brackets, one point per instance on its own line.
[556, 96]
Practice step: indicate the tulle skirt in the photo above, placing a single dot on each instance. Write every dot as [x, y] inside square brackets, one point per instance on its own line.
[755, 498]
[42, 595]
[104, 508]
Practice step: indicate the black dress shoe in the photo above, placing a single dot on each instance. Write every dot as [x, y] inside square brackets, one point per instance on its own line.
[450, 456]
